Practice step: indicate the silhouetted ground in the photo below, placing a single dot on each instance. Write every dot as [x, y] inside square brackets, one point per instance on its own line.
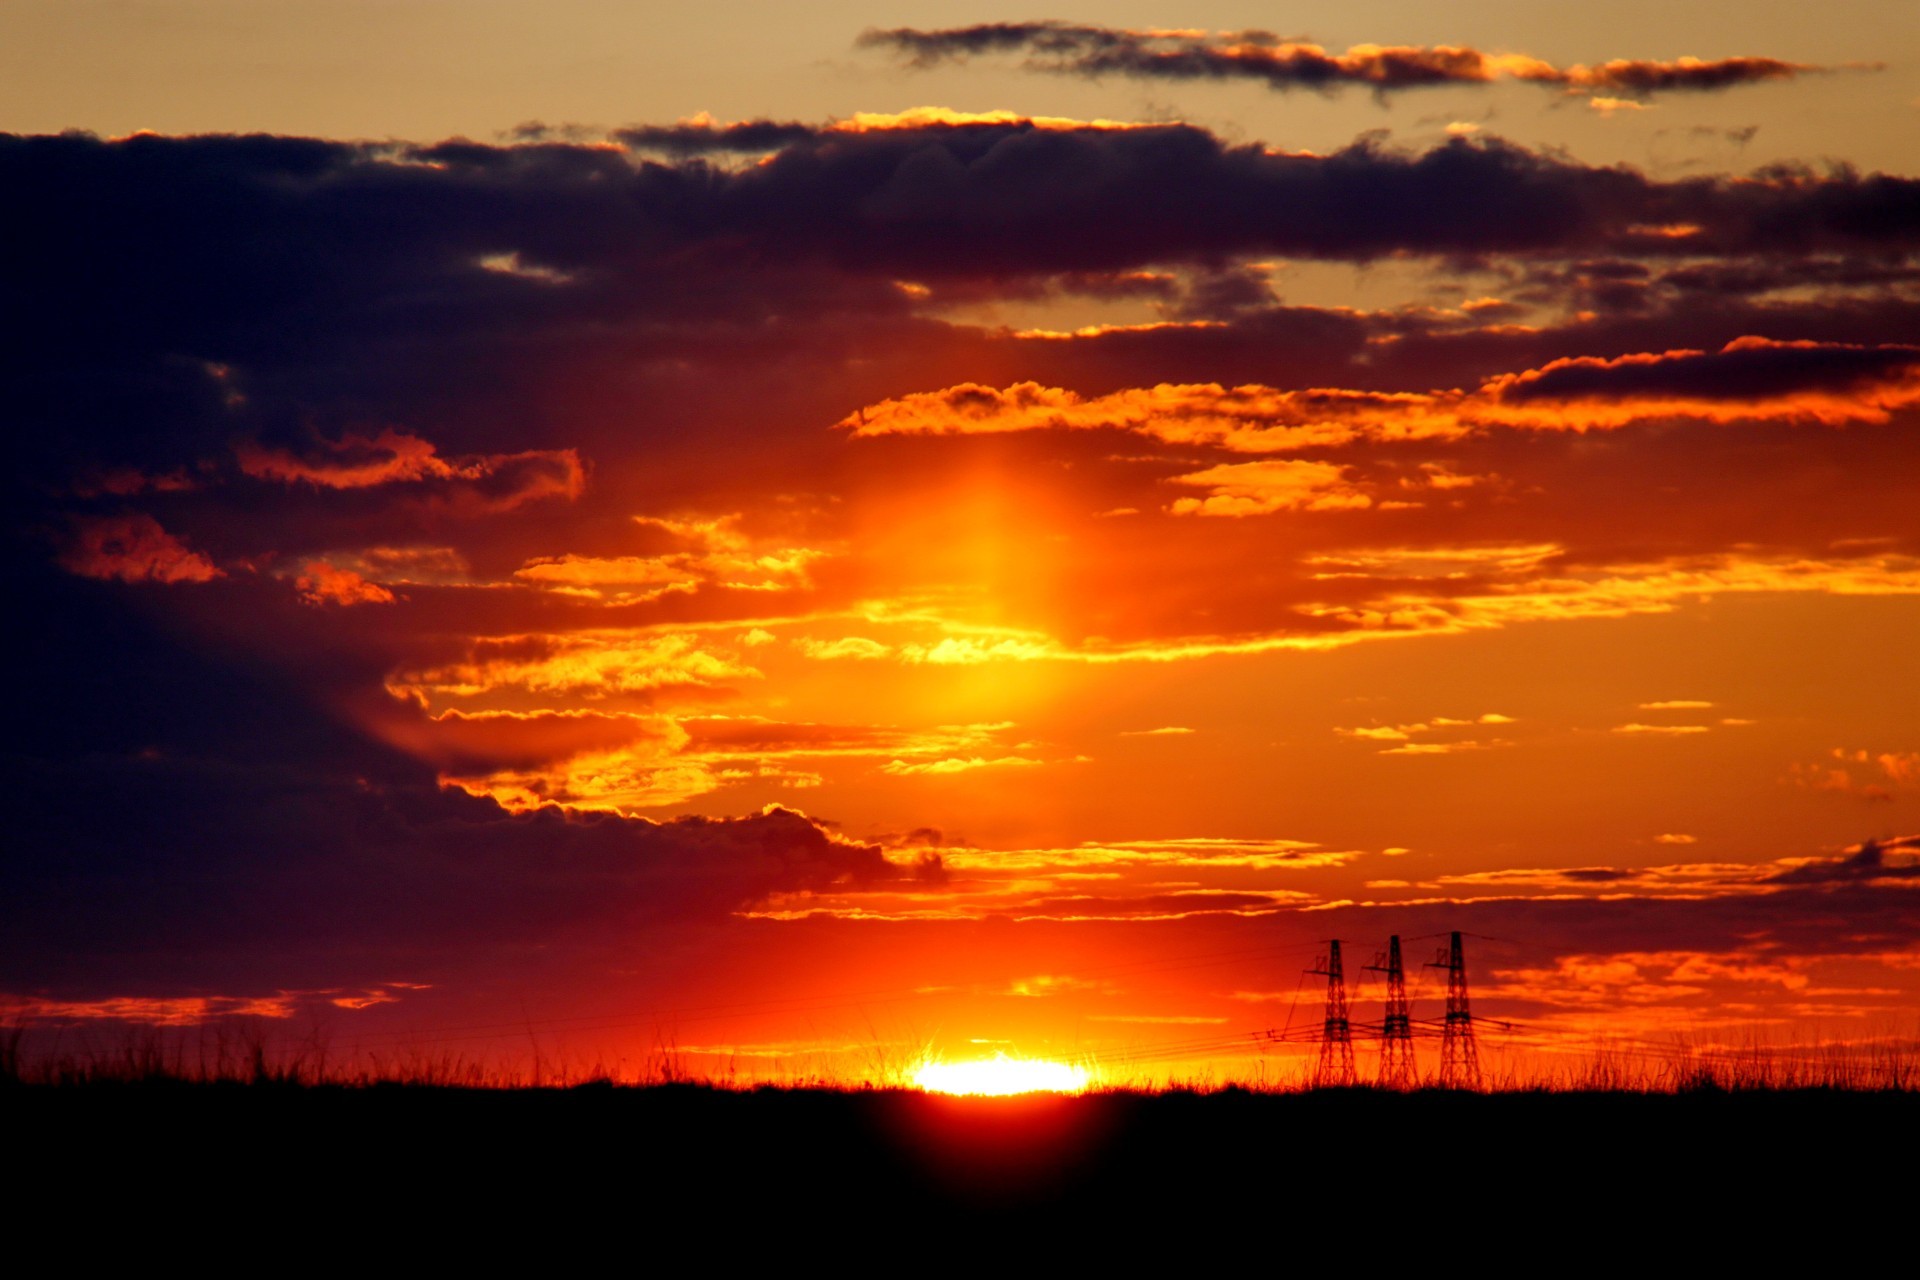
[267, 1177]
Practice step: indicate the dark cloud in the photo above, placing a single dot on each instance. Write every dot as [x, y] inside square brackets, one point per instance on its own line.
[182, 858]
[187, 819]
[1756, 277]
[1281, 63]
[1869, 863]
[1640, 77]
[1745, 370]
[700, 138]
[193, 295]
[925, 48]
[268, 288]
[1848, 918]
[1418, 348]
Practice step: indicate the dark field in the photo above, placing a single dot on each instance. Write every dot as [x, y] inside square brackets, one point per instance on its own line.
[322, 1172]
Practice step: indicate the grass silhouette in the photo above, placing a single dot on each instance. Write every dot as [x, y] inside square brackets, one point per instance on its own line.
[243, 1053]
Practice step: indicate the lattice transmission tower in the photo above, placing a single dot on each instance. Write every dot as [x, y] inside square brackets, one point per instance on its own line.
[1459, 1056]
[1397, 1070]
[1335, 1069]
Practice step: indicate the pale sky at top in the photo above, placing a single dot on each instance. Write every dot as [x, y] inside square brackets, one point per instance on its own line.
[423, 69]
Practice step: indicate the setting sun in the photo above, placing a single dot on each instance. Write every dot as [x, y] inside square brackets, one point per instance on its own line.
[1001, 1076]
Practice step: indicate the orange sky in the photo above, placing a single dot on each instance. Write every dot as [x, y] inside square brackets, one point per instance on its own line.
[807, 589]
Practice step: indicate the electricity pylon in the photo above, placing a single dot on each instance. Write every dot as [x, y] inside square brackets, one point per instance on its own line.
[1459, 1056]
[1397, 1070]
[1335, 1069]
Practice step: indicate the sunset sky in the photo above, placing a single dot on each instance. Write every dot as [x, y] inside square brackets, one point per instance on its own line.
[811, 534]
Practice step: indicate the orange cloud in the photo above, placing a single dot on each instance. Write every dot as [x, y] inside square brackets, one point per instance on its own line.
[716, 552]
[1402, 735]
[624, 762]
[1260, 488]
[480, 484]
[956, 764]
[183, 1011]
[1867, 774]
[1658, 977]
[600, 571]
[593, 665]
[1193, 852]
[321, 583]
[938, 117]
[1245, 419]
[621, 781]
[1441, 748]
[351, 462]
[1749, 379]
[133, 548]
[190, 1011]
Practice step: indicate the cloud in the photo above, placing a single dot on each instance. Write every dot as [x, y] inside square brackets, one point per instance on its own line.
[1893, 859]
[133, 548]
[702, 134]
[179, 1011]
[251, 876]
[627, 762]
[858, 647]
[717, 555]
[481, 485]
[1798, 381]
[1877, 776]
[427, 350]
[353, 462]
[623, 781]
[186, 826]
[1280, 63]
[1381, 733]
[1439, 748]
[955, 764]
[1749, 379]
[1185, 852]
[620, 243]
[1259, 488]
[1401, 737]
[1643, 978]
[596, 666]
[473, 741]
[1154, 906]
[321, 583]
[1639, 77]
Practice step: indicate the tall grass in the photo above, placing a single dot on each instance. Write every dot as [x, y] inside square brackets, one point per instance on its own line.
[241, 1052]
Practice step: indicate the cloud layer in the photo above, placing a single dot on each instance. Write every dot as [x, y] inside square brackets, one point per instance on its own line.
[1280, 63]
[444, 560]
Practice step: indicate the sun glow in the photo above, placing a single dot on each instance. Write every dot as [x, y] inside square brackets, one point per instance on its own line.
[1001, 1076]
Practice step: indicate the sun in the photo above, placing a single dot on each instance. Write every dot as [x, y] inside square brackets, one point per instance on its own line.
[1001, 1076]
